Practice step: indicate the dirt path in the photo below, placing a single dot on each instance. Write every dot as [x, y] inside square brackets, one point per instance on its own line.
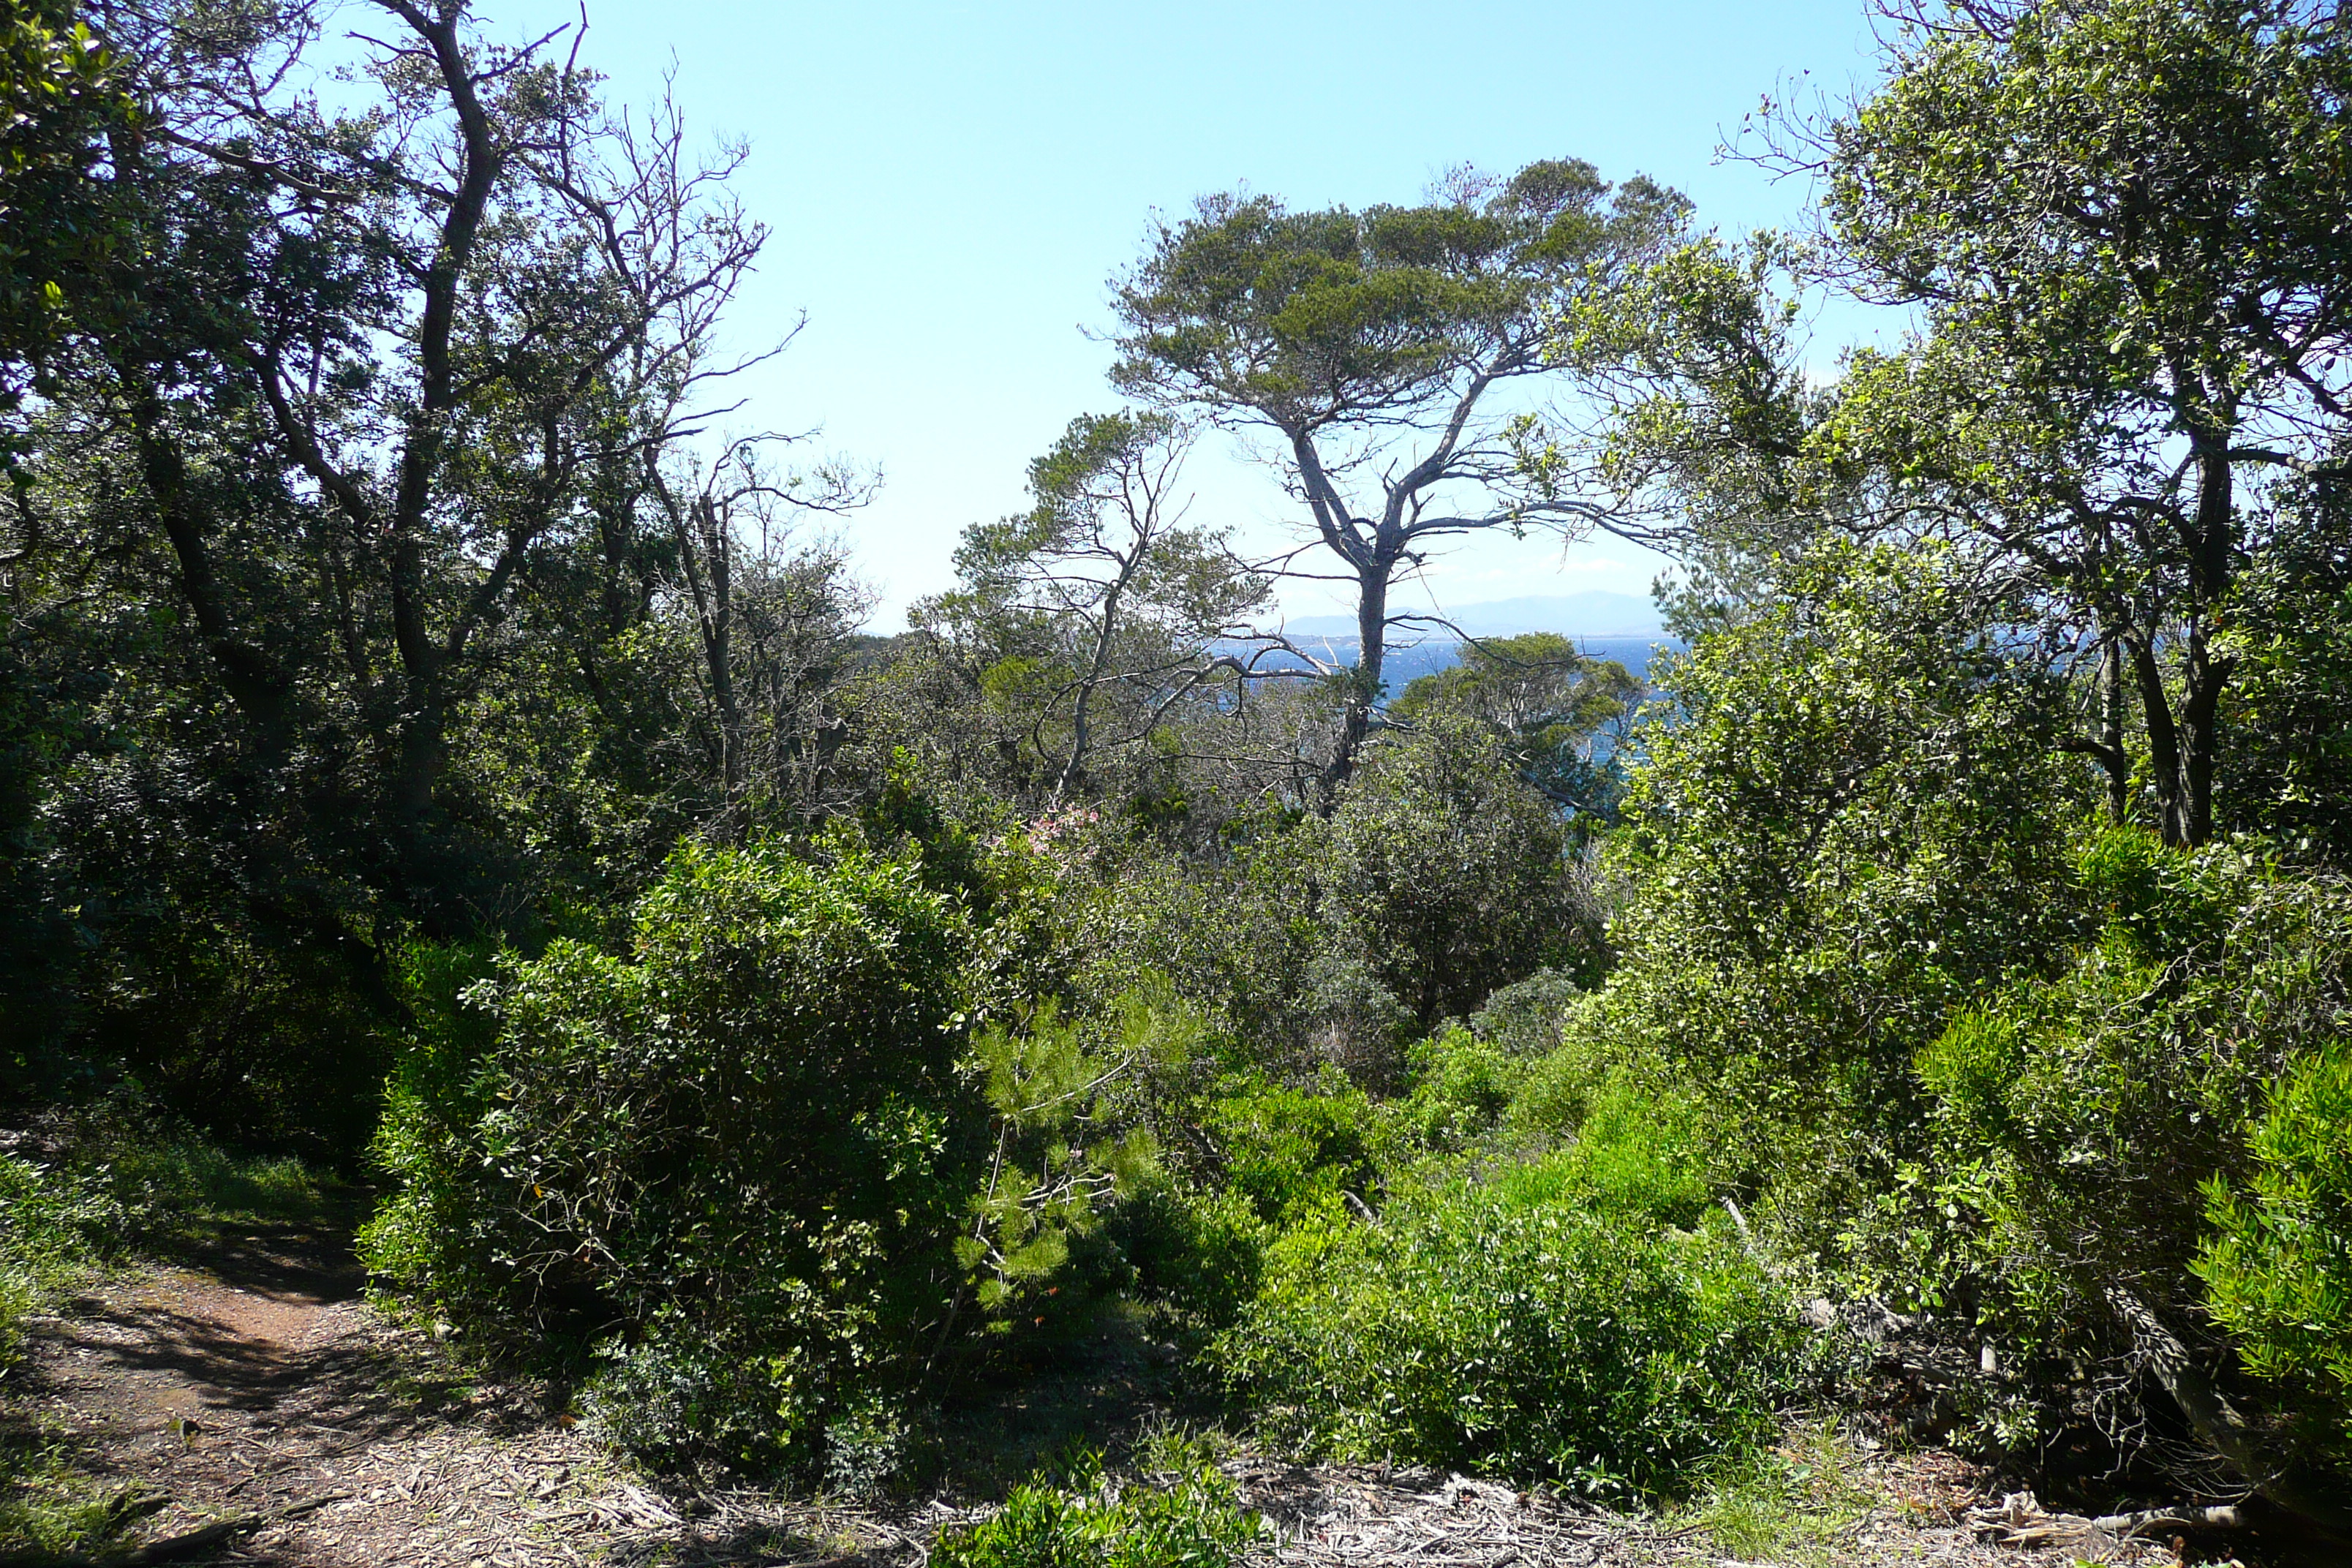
[252, 1380]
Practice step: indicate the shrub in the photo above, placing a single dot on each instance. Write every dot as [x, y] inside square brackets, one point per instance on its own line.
[1524, 1017]
[1294, 1152]
[1193, 1521]
[2278, 1267]
[1854, 825]
[1202, 1252]
[764, 1160]
[747, 1142]
[1447, 872]
[2160, 1125]
[1637, 1152]
[1530, 1341]
[1460, 1085]
[49, 1228]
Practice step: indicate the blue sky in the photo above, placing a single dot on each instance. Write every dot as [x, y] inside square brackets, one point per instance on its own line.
[951, 186]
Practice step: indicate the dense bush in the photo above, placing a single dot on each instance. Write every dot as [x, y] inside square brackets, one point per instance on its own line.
[2277, 1264]
[2153, 1136]
[1200, 1251]
[765, 1161]
[1852, 823]
[1460, 1086]
[2285, 765]
[1613, 1353]
[746, 1142]
[1292, 1151]
[1447, 872]
[1524, 1017]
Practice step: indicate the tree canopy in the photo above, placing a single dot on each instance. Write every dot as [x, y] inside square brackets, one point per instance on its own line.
[1375, 349]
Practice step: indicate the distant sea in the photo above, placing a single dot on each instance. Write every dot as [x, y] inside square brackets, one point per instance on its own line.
[1404, 664]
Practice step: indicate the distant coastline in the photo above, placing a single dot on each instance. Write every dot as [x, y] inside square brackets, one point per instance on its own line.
[1408, 662]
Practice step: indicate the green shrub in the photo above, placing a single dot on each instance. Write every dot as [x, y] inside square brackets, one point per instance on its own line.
[1525, 1339]
[1192, 1521]
[2278, 1265]
[1523, 1018]
[51, 1227]
[433, 1234]
[747, 1142]
[1460, 1085]
[1445, 872]
[2163, 1118]
[1636, 1152]
[1294, 1152]
[1853, 825]
[1203, 1252]
[764, 1161]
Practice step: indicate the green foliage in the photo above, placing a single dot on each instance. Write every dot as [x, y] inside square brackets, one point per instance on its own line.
[1446, 873]
[1460, 1086]
[2120, 221]
[1088, 618]
[1853, 823]
[1233, 936]
[1046, 1182]
[2091, 1133]
[1292, 1153]
[766, 1142]
[645, 1151]
[61, 223]
[1523, 1018]
[2277, 1264]
[2286, 763]
[50, 1227]
[1636, 1151]
[1202, 1251]
[1192, 1520]
[1560, 714]
[1521, 1340]
[1311, 319]
[433, 1233]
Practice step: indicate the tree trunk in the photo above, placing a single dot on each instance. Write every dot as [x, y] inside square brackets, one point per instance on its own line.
[705, 550]
[2111, 755]
[2164, 748]
[1364, 679]
[2207, 677]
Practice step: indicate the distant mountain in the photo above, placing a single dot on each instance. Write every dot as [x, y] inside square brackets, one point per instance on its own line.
[1590, 615]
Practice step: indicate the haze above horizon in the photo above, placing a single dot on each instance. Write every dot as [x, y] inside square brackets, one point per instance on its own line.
[950, 189]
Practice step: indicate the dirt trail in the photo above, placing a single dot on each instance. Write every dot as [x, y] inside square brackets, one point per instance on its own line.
[251, 1379]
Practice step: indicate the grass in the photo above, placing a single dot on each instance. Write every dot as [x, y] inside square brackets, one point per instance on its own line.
[1792, 1504]
[49, 1505]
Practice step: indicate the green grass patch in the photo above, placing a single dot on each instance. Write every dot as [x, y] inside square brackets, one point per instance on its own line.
[49, 1506]
[1795, 1503]
[1191, 1519]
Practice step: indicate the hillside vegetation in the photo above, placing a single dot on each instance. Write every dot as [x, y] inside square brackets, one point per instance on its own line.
[432, 769]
